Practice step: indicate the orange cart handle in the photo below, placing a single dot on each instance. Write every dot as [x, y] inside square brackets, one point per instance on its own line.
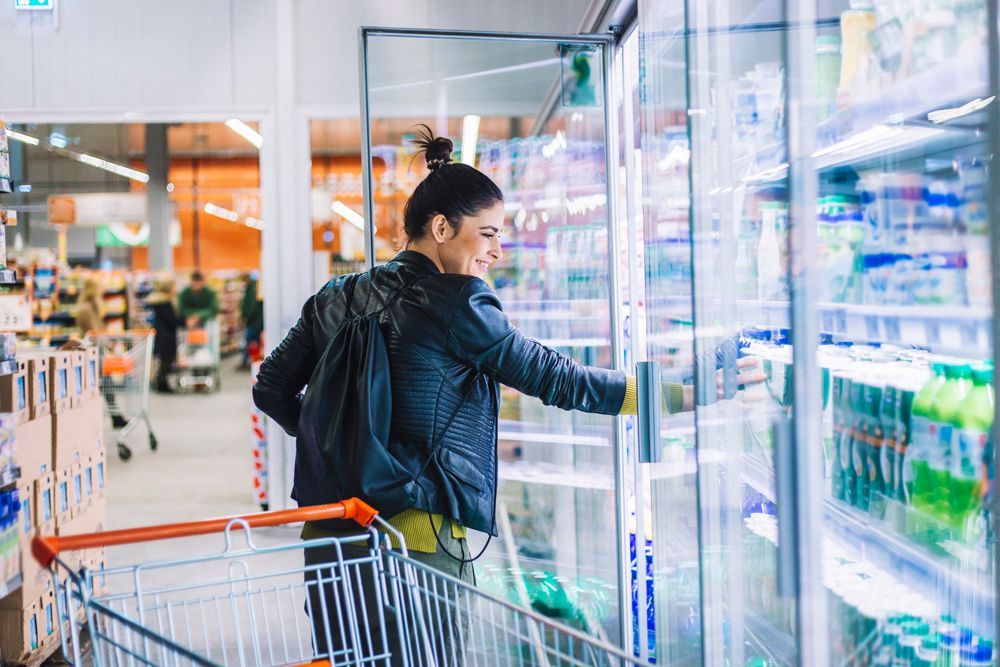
[45, 549]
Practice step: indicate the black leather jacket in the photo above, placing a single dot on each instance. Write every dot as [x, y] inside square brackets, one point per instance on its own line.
[450, 343]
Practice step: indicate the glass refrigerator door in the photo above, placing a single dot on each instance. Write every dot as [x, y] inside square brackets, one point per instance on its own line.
[901, 160]
[531, 113]
[716, 279]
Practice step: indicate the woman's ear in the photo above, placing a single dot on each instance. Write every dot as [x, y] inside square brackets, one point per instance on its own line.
[440, 228]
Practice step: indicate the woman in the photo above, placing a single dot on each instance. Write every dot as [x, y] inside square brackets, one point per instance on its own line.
[90, 307]
[165, 323]
[450, 345]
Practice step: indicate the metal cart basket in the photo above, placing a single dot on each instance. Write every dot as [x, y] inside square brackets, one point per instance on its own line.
[252, 604]
[199, 357]
[126, 358]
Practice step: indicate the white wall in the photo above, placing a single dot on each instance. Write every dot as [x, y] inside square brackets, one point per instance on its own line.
[119, 56]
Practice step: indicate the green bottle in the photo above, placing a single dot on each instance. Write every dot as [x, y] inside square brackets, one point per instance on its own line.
[856, 438]
[841, 417]
[917, 472]
[968, 474]
[944, 416]
[873, 486]
[888, 450]
[904, 437]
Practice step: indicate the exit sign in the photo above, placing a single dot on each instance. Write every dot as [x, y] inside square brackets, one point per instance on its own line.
[38, 5]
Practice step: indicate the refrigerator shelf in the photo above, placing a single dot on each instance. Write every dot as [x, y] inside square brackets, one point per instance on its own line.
[554, 474]
[859, 537]
[941, 329]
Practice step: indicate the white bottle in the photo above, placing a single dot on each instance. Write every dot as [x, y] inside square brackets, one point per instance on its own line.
[769, 265]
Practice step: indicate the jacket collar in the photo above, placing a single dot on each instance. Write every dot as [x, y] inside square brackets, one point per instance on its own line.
[417, 260]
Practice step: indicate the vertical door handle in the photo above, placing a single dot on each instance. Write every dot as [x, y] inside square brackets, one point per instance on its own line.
[649, 401]
[785, 497]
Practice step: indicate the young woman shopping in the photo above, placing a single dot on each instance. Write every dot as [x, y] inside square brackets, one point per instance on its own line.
[449, 346]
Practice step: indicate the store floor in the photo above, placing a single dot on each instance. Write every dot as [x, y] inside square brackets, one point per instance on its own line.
[202, 469]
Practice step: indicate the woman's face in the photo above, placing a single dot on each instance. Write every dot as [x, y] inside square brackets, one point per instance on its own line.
[474, 246]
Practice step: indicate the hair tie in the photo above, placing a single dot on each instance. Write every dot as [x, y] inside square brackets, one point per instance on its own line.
[438, 162]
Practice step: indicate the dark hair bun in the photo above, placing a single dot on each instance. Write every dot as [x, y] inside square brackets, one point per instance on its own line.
[437, 150]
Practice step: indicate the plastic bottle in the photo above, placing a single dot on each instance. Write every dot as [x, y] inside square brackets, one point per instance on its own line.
[867, 442]
[855, 24]
[827, 74]
[916, 470]
[977, 655]
[904, 437]
[855, 434]
[968, 465]
[841, 438]
[890, 432]
[770, 268]
[944, 415]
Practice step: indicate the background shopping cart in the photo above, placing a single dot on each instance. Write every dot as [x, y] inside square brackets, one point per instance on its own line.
[126, 359]
[199, 357]
[244, 605]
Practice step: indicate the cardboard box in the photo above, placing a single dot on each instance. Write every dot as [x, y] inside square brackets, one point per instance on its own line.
[14, 392]
[45, 504]
[38, 386]
[64, 505]
[60, 398]
[77, 432]
[26, 520]
[93, 477]
[33, 447]
[92, 373]
[78, 377]
[23, 631]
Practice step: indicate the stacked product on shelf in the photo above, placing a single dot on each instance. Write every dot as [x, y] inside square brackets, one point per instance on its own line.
[116, 305]
[140, 286]
[61, 490]
[258, 441]
[230, 288]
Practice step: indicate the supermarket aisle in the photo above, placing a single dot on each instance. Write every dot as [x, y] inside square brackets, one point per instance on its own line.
[203, 466]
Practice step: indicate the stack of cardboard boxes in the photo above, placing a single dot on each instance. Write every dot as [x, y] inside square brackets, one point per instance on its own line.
[56, 401]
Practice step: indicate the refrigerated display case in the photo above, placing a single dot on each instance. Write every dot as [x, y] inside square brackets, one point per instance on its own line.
[838, 160]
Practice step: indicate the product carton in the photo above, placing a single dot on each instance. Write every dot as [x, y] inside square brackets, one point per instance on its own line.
[23, 631]
[92, 372]
[14, 392]
[64, 503]
[26, 519]
[45, 504]
[38, 386]
[78, 377]
[77, 432]
[76, 498]
[33, 447]
[93, 476]
[60, 366]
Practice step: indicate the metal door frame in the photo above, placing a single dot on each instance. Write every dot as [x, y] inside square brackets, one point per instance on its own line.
[608, 45]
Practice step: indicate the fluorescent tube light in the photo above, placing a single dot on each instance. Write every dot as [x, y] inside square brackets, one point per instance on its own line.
[101, 163]
[58, 140]
[220, 212]
[23, 138]
[470, 137]
[245, 131]
[255, 223]
[945, 115]
[349, 214]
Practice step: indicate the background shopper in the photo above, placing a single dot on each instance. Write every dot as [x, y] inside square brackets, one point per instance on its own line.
[165, 324]
[90, 307]
[252, 314]
[198, 302]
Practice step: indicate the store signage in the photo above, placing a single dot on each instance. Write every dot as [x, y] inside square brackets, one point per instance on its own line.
[125, 235]
[96, 209]
[35, 5]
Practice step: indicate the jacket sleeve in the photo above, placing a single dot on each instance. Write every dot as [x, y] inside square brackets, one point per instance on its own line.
[483, 336]
[286, 371]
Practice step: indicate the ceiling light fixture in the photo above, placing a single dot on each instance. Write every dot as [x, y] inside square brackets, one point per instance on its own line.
[245, 131]
[114, 168]
[349, 214]
[470, 137]
[23, 138]
[219, 212]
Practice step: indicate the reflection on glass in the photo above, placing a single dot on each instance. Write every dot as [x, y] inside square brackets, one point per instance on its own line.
[537, 110]
[904, 311]
[739, 239]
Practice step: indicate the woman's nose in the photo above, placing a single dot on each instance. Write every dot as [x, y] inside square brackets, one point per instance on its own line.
[497, 250]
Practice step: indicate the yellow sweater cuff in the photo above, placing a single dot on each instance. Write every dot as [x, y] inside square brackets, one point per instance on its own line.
[673, 399]
[630, 406]
[412, 523]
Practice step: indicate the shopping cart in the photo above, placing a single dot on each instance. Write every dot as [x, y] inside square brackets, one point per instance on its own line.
[199, 357]
[126, 359]
[248, 605]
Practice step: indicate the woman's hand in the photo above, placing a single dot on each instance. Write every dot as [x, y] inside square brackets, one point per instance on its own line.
[748, 372]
